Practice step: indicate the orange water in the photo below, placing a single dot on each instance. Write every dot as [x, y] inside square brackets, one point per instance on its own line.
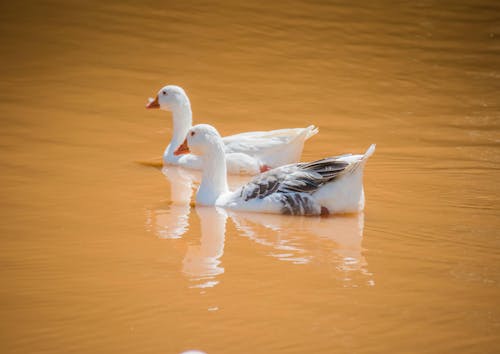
[96, 259]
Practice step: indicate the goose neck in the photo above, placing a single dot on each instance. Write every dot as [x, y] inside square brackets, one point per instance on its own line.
[182, 118]
[214, 178]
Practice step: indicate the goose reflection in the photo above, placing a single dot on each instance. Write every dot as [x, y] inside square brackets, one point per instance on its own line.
[301, 240]
[201, 258]
[172, 222]
[202, 261]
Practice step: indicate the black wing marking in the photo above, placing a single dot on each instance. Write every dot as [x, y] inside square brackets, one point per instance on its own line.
[261, 186]
[299, 204]
[295, 178]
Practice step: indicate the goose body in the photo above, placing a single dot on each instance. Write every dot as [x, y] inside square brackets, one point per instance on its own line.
[246, 153]
[327, 186]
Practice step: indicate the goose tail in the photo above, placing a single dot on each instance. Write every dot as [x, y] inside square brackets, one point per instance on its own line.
[312, 130]
[370, 151]
[357, 162]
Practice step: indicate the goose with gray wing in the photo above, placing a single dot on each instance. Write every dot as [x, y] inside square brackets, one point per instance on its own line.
[330, 185]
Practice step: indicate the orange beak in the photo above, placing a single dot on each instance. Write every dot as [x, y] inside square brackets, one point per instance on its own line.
[153, 103]
[182, 149]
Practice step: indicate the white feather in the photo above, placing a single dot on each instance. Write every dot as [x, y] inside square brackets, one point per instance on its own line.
[247, 153]
[332, 185]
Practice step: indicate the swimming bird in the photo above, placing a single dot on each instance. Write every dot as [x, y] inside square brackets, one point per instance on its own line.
[327, 186]
[246, 153]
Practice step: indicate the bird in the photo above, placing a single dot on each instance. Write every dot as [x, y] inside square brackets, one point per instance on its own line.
[246, 153]
[331, 185]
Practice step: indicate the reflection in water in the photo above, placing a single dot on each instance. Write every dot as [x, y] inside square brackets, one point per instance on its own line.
[337, 240]
[201, 262]
[173, 222]
[289, 239]
[181, 183]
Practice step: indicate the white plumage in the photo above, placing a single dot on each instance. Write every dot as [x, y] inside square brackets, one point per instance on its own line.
[246, 153]
[330, 185]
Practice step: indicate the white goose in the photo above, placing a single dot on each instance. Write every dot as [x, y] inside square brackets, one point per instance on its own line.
[330, 185]
[247, 153]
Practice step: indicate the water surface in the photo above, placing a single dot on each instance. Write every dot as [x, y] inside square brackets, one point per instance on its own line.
[99, 255]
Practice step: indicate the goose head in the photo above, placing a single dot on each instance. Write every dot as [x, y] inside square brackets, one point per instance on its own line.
[201, 139]
[169, 98]
[205, 141]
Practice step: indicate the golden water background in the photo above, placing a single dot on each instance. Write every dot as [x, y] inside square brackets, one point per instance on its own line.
[94, 257]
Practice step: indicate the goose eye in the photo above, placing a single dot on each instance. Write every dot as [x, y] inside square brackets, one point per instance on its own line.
[164, 93]
[192, 133]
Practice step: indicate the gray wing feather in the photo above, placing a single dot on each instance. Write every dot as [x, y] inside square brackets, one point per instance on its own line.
[295, 178]
[299, 204]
